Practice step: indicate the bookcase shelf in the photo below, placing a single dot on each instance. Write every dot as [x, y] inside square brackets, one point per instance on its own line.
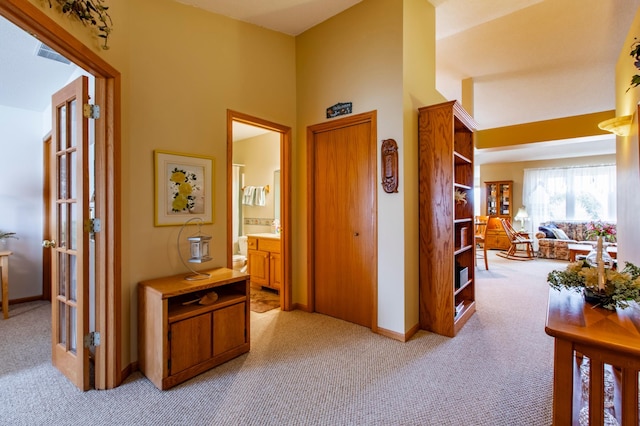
[447, 246]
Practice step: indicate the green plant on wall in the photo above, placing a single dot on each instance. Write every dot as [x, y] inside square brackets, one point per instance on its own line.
[90, 12]
[635, 54]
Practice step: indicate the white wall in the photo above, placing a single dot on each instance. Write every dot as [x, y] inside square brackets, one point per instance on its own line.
[261, 157]
[627, 153]
[21, 136]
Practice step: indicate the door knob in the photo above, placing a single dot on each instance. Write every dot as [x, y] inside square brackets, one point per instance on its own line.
[49, 244]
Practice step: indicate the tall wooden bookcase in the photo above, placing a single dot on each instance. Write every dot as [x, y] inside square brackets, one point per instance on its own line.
[446, 228]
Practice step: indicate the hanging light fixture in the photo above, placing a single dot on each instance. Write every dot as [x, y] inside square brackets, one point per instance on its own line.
[618, 125]
[199, 250]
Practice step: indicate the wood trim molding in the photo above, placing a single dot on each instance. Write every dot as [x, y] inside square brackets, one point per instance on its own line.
[399, 336]
[33, 20]
[286, 298]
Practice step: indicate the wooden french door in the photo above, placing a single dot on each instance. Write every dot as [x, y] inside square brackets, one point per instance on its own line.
[69, 243]
[343, 218]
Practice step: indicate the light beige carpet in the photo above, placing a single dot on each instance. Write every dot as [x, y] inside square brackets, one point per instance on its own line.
[311, 369]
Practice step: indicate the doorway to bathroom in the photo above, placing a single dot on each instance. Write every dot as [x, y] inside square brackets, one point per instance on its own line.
[259, 206]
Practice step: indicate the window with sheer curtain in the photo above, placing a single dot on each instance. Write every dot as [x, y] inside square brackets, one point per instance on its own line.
[583, 193]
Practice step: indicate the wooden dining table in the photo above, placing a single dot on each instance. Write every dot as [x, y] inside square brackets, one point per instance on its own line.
[4, 266]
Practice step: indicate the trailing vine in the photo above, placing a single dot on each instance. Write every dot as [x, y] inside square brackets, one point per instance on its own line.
[635, 54]
[90, 12]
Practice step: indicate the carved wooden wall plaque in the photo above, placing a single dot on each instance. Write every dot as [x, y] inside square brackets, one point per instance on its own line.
[389, 164]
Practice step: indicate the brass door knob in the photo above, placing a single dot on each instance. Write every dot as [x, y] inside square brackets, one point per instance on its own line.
[49, 244]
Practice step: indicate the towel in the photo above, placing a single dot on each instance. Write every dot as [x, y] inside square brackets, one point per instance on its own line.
[259, 196]
[248, 194]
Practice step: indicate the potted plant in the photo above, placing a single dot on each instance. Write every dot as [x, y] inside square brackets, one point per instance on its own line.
[4, 236]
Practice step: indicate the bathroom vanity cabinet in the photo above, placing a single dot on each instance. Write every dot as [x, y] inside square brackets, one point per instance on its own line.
[185, 330]
[264, 260]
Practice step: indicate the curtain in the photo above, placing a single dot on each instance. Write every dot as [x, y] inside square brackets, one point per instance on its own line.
[573, 193]
[236, 206]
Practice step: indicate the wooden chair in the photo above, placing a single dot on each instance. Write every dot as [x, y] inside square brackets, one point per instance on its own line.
[480, 232]
[521, 247]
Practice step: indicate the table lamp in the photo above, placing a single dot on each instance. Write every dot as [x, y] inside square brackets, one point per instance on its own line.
[522, 216]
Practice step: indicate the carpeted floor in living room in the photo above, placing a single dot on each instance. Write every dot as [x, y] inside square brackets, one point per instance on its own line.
[311, 369]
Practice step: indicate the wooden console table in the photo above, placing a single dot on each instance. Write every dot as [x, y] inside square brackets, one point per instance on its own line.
[187, 327]
[4, 265]
[611, 340]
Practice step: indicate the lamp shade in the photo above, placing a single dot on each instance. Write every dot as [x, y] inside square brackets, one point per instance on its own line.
[522, 214]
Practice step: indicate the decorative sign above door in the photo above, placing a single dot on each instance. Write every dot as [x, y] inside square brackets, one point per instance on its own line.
[339, 109]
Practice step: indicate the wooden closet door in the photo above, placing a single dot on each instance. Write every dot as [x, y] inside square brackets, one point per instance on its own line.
[344, 240]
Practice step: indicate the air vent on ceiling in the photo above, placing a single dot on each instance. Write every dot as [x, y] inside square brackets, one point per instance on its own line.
[47, 52]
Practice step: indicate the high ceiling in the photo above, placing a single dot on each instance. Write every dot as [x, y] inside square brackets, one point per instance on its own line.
[529, 60]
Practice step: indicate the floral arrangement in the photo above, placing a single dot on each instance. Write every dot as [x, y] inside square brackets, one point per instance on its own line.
[89, 12]
[183, 186]
[620, 287]
[460, 197]
[601, 229]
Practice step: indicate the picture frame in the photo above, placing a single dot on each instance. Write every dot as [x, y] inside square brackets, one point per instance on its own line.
[184, 188]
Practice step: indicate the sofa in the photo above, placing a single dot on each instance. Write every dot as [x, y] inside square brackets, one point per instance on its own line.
[555, 245]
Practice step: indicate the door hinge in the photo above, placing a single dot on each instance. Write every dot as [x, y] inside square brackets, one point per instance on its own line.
[92, 226]
[92, 339]
[169, 336]
[169, 364]
[91, 111]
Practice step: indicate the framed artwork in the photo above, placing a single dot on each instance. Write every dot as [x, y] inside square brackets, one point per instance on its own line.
[183, 188]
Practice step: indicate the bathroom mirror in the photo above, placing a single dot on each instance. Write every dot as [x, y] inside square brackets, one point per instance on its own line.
[276, 194]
